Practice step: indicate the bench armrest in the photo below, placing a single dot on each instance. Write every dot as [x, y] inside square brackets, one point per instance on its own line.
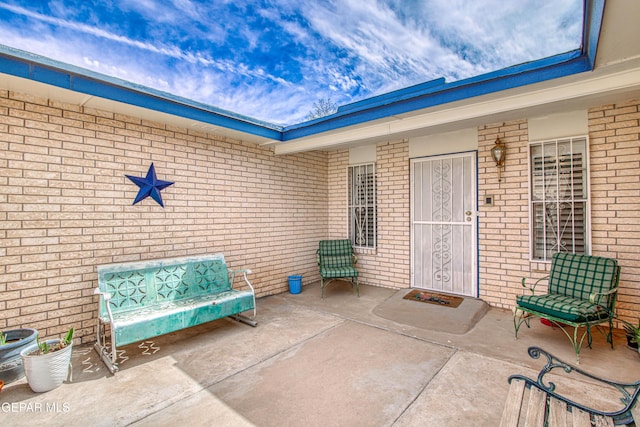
[246, 280]
[629, 392]
[244, 275]
[105, 296]
[532, 287]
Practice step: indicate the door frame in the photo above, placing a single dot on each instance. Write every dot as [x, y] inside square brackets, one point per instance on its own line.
[476, 256]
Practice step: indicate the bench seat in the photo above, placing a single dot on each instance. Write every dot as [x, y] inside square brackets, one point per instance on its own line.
[152, 321]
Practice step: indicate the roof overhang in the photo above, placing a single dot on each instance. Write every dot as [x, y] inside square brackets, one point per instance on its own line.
[33, 74]
[573, 80]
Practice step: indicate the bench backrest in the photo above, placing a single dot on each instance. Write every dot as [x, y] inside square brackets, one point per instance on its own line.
[335, 253]
[579, 276]
[135, 285]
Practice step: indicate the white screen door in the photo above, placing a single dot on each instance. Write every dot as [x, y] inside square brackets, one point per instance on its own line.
[443, 224]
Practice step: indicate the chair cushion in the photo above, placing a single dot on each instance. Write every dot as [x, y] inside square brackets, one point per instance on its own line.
[337, 261]
[335, 247]
[562, 307]
[334, 273]
[579, 276]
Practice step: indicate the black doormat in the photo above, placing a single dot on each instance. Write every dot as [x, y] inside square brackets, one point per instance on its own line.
[434, 298]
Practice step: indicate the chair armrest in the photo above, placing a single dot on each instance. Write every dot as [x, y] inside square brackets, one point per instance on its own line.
[318, 256]
[533, 287]
[354, 259]
[595, 297]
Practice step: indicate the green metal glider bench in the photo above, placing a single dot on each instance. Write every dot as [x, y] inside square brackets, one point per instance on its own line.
[581, 294]
[337, 261]
[142, 300]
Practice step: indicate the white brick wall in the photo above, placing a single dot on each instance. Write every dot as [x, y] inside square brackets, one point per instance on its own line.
[614, 136]
[66, 206]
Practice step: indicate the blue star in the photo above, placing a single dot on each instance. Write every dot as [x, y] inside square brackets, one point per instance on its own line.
[149, 186]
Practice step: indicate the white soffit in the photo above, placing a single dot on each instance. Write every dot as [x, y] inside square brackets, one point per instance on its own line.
[444, 143]
[620, 32]
[560, 125]
[362, 154]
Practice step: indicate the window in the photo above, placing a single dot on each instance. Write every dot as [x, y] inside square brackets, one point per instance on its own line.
[559, 197]
[362, 205]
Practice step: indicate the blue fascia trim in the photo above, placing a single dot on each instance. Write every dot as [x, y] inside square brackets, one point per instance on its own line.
[430, 86]
[43, 70]
[593, 16]
[525, 74]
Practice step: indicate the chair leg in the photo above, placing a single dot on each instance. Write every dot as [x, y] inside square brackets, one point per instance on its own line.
[575, 342]
[357, 288]
[610, 334]
[519, 320]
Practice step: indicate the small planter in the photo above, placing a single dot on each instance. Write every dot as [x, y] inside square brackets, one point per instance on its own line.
[10, 361]
[46, 371]
[17, 339]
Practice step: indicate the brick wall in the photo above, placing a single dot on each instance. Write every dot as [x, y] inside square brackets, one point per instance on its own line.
[614, 132]
[504, 228]
[614, 137]
[503, 231]
[66, 206]
[389, 264]
[337, 194]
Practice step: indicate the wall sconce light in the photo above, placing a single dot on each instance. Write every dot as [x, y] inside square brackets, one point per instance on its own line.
[499, 153]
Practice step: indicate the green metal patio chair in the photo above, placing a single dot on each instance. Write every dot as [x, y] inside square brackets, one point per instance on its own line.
[337, 261]
[581, 294]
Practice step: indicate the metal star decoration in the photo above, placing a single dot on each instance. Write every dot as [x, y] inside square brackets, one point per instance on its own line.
[149, 186]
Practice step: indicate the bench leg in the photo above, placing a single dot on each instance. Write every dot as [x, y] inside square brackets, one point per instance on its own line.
[106, 357]
[109, 357]
[244, 319]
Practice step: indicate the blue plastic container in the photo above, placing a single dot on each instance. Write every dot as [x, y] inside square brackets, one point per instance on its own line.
[295, 284]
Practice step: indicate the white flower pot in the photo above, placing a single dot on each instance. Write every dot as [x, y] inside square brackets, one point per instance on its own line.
[46, 371]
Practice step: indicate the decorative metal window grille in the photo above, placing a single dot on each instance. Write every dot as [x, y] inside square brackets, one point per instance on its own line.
[362, 205]
[559, 197]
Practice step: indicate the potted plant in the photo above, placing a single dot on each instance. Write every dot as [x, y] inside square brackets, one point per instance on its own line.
[46, 364]
[633, 334]
[11, 344]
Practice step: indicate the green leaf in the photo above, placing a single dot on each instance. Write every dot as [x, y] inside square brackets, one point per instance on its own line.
[69, 338]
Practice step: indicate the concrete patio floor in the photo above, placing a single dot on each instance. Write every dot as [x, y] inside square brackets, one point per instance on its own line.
[311, 362]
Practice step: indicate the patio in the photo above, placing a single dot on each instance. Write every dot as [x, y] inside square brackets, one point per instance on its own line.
[311, 362]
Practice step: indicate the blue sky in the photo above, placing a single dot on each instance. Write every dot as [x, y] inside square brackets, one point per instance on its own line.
[272, 59]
